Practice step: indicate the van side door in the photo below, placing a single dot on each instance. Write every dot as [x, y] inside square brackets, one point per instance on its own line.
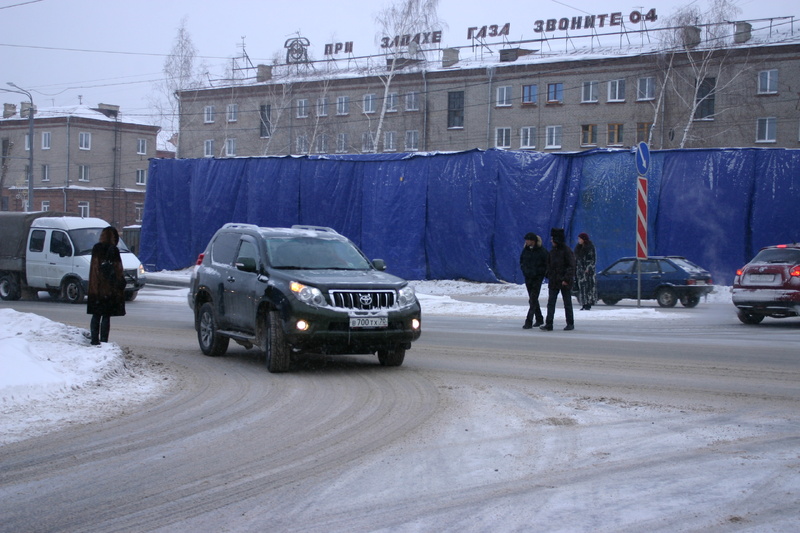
[59, 260]
[36, 259]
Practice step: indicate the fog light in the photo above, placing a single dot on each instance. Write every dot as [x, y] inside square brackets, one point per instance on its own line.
[302, 325]
[414, 323]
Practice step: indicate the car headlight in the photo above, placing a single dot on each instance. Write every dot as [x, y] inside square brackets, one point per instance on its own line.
[308, 295]
[406, 296]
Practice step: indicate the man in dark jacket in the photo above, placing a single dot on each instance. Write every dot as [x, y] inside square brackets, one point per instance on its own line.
[560, 273]
[533, 262]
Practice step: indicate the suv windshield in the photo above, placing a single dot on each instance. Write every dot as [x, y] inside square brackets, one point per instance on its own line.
[778, 255]
[314, 253]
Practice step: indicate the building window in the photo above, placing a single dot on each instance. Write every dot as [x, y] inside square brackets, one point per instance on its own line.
[302, 108]
[455, 109]
[589, 94]
[389, 142]
[341, 143]
[45, 172]
[139, 208]
[27, 142]
[504, 96]
[646, 88]
[367, 142]
[85, 140]
[233, 112]
[208, 114]
[265, 127]
[45, 140]
[616, 91]
[643, 131]
[614, 134]
[230, 147]
[322, 144]
[705, 99]
[555, 93]
[83, 172]
[527, 137]
[589, 135]
[768, 81]
[141, 176]
[369, 103]
[343, 105]
[530, 94]
[322, 107]
[208, 148]
[412, 140]
[141, 146]
[392, 101]
[301, 144]
[83, 209]
[766, 131]
[502, 138]
[553, 137]
[46, 205]
[412, 101]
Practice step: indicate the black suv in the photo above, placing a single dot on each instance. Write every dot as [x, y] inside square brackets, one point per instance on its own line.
[304, 288]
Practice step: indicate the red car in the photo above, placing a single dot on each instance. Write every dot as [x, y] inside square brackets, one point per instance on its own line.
[769, 285]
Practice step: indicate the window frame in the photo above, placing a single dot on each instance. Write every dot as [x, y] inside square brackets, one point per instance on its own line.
[230, 147]
[141, 176]
[208, 114]
[412, 101]
[45, 172]
[412, 141]
[527, 137]
[616, 90]
[594, 92]
[368, 103]
[301, 108]
[342, 105]
[591, 130]
[770, 80]
[649, 92]
[555, 93]
[83, 173]
[342, 140]
[615, 134]
[367, 142]
[530, 94]
[643, 131]
[322, 106]
[84, 209]
[141, 146]
[389, 141]
[505, 133]
[554, 133]
[265, 121]
[455, 110]
[392, 102]
[46, 139]
[770, 126]
[504, 96]
[706, 103]
[208, 148]
[321, 144]
[232, 112]
[85, 140]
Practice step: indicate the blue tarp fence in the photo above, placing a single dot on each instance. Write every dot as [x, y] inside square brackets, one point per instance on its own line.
[463, 215]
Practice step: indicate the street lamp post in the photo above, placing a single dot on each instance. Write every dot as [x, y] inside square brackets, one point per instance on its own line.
[29, 206]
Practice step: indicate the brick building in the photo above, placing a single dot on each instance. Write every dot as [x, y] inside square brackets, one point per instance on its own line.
[700, 93]
[90, 161]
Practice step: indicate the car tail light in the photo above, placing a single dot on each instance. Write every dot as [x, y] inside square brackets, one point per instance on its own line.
[739, 272]
[795, 272]
[200, 259]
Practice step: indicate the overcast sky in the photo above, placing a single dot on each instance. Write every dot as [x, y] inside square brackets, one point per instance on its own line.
[113, 52]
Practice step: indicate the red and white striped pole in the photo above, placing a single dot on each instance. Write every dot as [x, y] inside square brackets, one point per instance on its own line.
[641, 218]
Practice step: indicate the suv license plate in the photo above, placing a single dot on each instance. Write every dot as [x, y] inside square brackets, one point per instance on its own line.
[369, 322]
[761, 277]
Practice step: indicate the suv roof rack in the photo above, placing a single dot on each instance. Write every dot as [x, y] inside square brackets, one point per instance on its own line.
[315, 228]
[239, 225]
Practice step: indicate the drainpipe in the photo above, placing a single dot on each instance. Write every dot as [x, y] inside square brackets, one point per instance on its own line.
[69, 149]
[490, 74]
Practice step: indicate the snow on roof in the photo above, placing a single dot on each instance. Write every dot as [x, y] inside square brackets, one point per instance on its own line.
[79, 110]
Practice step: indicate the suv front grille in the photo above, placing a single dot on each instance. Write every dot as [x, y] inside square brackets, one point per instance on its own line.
[363, 300]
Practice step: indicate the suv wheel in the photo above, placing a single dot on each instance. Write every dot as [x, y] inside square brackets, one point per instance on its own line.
[276, 349]
[392, 356]
[690, 300]
[211, 343]
[666, 297]
[749, 318]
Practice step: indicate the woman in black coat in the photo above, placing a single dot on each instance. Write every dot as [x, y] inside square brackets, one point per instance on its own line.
[533, 263]
[106, 294]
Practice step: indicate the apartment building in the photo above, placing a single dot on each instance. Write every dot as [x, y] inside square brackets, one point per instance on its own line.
[741, 93]
[90, 161]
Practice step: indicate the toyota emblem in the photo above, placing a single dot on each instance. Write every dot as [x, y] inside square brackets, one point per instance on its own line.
[365, 299]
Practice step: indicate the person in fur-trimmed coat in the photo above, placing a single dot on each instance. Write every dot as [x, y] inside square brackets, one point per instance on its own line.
[585, 262]
[560, 273]
[106, 294]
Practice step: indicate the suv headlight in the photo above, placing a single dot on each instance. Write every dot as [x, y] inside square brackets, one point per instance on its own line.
[406, 296]
[308, 295]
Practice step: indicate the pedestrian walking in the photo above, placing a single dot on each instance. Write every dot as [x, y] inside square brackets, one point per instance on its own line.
[560, 274]
[533, 263]
[106, 294]
[585, 263]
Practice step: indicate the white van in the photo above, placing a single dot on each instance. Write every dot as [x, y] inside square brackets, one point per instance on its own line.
[58, 254]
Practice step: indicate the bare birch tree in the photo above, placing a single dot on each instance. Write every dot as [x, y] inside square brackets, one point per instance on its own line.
[401, 25]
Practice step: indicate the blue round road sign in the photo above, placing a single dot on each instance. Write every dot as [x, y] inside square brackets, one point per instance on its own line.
[642, 158]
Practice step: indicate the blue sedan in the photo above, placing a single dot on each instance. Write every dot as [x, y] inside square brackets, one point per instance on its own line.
[666, 279]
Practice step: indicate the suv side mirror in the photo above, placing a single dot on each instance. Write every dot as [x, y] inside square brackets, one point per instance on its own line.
[379, 264]
[246, 264]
